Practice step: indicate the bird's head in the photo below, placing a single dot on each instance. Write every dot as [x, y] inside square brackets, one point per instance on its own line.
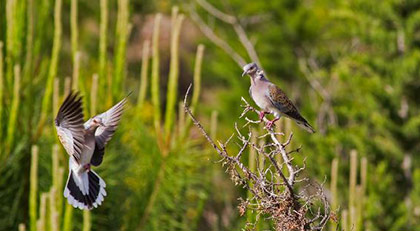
[250, 69]
[96, 122]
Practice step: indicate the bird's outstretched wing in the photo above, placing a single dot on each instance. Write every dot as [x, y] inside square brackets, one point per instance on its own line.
[69, 125]
[103, 134]
[279, 100]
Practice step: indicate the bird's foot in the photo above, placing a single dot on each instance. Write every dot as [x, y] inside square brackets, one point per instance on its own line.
[86, 167]
[261, 115]
[270, 123]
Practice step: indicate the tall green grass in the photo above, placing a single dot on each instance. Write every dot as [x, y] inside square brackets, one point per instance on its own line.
[155, 82]
[1, 95]
[14, 110]
[143, 76]
[26, 134]
[52, 71]
[171, 98]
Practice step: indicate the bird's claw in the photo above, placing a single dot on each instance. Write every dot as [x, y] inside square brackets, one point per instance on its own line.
[270, 123]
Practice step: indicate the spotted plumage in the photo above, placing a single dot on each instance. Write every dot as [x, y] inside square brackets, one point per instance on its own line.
[271, 99]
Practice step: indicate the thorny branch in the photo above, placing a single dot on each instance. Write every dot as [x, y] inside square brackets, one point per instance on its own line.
[273, 194]
[237, 27]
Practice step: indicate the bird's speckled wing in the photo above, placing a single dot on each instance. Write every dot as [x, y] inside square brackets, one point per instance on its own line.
[279, 100]
[110, 119]
[69, 125]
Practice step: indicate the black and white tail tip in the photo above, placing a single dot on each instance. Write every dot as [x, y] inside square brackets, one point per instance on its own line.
[85, 191]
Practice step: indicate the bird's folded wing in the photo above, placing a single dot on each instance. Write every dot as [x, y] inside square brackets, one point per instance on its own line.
[69, 125]
[103, 134]
[279, 100]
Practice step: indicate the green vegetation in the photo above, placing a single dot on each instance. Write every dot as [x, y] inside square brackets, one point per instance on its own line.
[352, 67]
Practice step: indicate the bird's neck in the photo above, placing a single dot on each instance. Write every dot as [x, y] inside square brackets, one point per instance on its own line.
[258, 79]
[92, 129]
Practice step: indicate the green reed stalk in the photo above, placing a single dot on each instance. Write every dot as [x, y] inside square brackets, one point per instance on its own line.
[53, 210]
[197, 75]
[68, 218]
[196, 84]
[22, 227]
[74, 27]
[181, 118]
[361, 200]
[344, 219]
[1, 94]
[29, 43]
[155, 82]
[121, 43]
[56, 95]
[75, 77]
[10, 8]
[213, 124]
[59, 197]
[46, 101]
[14, 110]
[174, 16]
[33, 189]
[172, 91]
[56, 184]
[43, 212]
[39, 225]
[352, 188]
[87, 224]
[28, 68]
[60, 188]
[102, 44]
[67, 86]
[143, 75]
[54, 169]
[94, 94]
[109, 88]
[333, 188]
[10, 39]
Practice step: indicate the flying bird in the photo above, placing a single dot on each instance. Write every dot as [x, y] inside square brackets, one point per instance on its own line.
[85, 143]
[271, 99]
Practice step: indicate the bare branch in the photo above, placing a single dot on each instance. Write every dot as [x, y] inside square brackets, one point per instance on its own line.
[216, 12]
[232, 20]
[209, 33]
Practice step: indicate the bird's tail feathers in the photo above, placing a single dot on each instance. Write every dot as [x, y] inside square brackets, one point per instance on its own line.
[305, 125]
[85, 191]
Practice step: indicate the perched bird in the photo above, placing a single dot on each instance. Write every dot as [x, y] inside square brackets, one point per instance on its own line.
[85, 143]
[271, 99]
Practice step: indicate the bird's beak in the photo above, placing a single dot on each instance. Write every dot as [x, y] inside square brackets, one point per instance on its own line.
[244, 73]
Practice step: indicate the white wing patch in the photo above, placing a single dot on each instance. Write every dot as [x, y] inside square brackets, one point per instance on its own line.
[66, 139]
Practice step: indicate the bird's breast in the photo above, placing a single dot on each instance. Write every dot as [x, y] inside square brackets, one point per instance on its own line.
[89, 148]
[260, 98]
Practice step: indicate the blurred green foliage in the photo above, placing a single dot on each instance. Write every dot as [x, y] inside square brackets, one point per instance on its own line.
[364, 54]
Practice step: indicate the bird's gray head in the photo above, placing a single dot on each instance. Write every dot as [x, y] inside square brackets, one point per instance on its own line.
[250, 69]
